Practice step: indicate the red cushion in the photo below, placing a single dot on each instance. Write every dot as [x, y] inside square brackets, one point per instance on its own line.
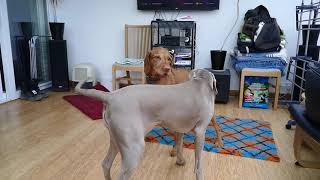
[88, 105]
[101, 87]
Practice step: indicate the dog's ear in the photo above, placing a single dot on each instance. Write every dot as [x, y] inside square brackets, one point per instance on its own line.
[214, 84]
[148, 64]
[206, 75]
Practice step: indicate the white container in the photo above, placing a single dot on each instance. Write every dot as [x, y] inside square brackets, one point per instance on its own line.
[85, 71]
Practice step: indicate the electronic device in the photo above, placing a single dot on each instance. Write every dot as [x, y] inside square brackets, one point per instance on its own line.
[59, 65]
[182, 59]
[84, 71]
[178, 4]
[187, 37]
[170, 40]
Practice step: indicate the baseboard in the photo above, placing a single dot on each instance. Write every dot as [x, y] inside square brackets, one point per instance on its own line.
[234, 93]
[3, 98]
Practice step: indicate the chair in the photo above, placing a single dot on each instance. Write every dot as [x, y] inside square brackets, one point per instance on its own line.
[307, 133]
[137, 44]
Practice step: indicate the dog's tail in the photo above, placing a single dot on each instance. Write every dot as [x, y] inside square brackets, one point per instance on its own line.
[100, 95]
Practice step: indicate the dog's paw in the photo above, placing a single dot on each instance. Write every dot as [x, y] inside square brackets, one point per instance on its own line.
[173, 152]
[180, 162]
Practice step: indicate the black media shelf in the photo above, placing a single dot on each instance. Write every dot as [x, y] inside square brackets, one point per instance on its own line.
[176, 36]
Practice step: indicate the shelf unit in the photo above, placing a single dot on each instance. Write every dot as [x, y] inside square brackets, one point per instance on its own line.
[307, 55]
[178, 37]
[307, 25]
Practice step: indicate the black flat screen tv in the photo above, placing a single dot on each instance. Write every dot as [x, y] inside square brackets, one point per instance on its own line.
[178, 4]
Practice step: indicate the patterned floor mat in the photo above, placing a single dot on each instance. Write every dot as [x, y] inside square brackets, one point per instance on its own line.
[241, 137]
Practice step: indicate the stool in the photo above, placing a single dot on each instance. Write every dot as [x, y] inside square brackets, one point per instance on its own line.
[272, 73]
[128, 68]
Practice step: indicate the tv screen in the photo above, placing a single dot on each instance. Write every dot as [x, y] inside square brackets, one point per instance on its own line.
[178, 4]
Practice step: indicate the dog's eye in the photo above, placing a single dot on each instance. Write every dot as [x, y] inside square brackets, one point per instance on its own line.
[156, 60]
[156, 57]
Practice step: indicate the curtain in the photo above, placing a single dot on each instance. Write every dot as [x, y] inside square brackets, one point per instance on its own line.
[41, 29]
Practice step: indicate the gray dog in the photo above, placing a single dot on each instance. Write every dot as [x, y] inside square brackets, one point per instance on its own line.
[133, 111]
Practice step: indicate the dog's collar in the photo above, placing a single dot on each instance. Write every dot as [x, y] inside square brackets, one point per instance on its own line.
[152, 79]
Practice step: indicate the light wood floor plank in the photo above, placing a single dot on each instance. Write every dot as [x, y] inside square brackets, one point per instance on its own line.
[52, 140]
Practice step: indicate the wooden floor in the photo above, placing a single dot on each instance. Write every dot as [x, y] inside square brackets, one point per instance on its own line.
[52, 140]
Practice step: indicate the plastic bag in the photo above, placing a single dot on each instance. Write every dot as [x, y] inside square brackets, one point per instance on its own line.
[256, 92]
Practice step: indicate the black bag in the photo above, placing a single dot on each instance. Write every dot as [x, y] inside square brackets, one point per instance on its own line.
[263, 31]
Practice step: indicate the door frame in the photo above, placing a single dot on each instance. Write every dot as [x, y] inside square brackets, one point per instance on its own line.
[7, 60]
[3, 96]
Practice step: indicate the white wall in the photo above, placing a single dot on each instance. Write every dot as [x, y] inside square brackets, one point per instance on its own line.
[6, 55]
[95, 29]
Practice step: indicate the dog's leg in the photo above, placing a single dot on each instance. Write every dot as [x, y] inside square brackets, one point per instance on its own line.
[173, 151]
[219, 142]
[108, 160]
[179, 145]
[199, 132]
[131, 155]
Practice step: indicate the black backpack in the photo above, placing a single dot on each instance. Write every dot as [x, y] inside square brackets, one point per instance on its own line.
[263, 32]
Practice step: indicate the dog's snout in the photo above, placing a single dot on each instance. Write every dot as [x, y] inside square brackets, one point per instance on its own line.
[167, 68]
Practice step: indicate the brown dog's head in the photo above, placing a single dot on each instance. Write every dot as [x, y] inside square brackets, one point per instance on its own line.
[157, 62]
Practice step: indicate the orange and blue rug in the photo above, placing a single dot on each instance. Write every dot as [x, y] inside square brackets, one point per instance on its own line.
[241, 137]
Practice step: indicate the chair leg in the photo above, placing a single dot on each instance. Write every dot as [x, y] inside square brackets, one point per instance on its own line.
[241, 90]
[309, 164]
[299, 137]
[128, 76]
[143, 78]
[114, 78]
[298, 141]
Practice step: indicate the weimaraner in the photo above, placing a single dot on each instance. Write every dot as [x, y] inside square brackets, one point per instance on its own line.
[133, 111]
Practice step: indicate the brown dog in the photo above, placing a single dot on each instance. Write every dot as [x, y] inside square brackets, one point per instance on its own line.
[158, 69]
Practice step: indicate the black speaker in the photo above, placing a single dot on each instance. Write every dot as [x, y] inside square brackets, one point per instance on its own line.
[188, 37]
[59, 65]
[223, 84]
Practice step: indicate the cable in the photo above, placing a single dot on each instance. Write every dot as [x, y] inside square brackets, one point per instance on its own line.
[173, 14]
[157, 15]
[234, 25]
[160, 15]
[177, 15]
[171, 17]
[154, 15]
[164, 15]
